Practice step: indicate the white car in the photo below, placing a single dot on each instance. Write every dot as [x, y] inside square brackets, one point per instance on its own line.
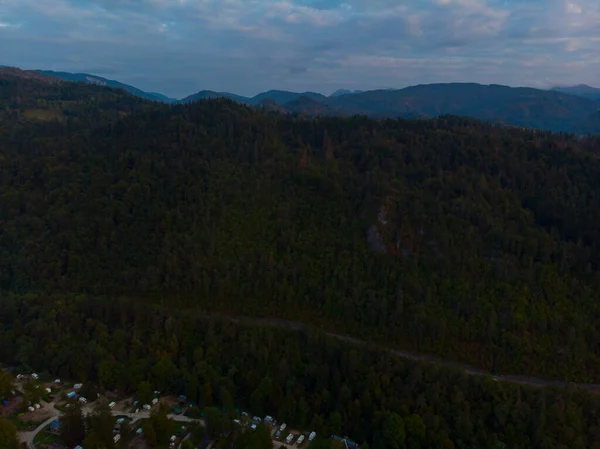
[56, 381]
[112, 404]
[30, 408]
[48, 390]
[77, 386]
[146, 407]
[289, 438]
[282, 427]
[154, 401]
[253, 426]
[300, 440]
[35, 376]
[117, 437]
[312, 436]
[37, 406]
[83, 400]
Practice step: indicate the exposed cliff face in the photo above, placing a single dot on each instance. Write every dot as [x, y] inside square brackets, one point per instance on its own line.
[389, 235]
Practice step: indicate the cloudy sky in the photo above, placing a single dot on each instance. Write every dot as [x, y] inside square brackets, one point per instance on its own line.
[178, 47]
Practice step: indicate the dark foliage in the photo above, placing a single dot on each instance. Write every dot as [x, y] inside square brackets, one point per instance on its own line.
[447, 236]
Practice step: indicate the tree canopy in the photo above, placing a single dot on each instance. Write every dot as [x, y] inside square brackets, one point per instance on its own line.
[122, 223]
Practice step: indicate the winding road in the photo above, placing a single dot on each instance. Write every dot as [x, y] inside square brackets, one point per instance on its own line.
[28, 437]
[523, 380]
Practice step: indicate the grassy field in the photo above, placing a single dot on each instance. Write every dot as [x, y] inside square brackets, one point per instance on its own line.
[46, 437]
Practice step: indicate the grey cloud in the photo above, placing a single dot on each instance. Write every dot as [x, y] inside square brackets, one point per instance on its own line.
[245, 46]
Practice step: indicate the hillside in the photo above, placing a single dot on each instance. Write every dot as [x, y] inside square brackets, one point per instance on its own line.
[309, 106]
[29, 98]
[98, 80]
[570, 109]
[209, 94]
[525, 107]
[522, 107]
[581, 90]
[445, 236]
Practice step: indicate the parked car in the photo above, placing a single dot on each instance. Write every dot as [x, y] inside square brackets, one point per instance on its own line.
[282, 427]
[312, 436]
[35, 376]
[37, 406]
[154, 401]
[300, 440]
[253, 426]
[237, 421]
[256, 419]
[30, 408]
[277, 434]
[244, 414]
[147, 407]
[112, 404]
[289, 438]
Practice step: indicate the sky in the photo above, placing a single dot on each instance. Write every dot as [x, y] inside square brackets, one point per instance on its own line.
[178, 47]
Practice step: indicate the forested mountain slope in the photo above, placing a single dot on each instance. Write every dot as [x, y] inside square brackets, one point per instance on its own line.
[100, 81]
[446, 236]
[304, 379]
[518, 106]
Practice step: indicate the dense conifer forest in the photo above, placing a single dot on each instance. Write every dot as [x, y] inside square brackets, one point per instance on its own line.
[121, 221]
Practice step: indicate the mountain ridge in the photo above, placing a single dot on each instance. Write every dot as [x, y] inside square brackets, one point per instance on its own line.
[573, 111]
[582, 90]
[94, 79]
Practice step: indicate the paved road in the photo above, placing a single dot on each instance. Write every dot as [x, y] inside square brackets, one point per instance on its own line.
[523, 380]
[28, 437]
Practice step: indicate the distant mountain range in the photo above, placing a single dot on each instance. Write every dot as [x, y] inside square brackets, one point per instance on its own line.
[93, 79]
[570, 109]
[581, 90]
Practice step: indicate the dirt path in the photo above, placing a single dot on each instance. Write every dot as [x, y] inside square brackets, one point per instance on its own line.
[523, 380]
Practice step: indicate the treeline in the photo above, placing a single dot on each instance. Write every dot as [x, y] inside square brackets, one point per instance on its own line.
[446, 236]
[306, 379]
